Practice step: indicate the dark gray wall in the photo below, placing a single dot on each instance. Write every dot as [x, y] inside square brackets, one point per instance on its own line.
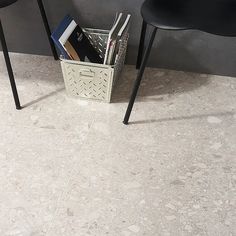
[188, 50]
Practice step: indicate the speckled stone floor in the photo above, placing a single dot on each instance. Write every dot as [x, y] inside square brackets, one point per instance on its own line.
[69, 167]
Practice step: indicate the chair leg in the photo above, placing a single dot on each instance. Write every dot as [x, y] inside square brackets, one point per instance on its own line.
[9, 68]
[141, 45]
[139, 77]
[47, 28]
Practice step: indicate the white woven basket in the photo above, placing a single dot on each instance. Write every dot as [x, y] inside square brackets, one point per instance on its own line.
[90, 80]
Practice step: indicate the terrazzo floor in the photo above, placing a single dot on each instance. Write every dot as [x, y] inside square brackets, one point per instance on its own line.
[69, 167]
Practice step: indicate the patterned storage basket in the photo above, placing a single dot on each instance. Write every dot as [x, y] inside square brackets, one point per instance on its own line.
[90, 80]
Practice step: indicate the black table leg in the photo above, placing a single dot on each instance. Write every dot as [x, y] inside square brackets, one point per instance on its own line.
[141, 44]
[139, 77]
[9, 68]
[47, 28]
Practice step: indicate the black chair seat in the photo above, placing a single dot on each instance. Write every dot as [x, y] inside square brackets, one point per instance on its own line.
[165, 14]
[212, 16]
[5, 3]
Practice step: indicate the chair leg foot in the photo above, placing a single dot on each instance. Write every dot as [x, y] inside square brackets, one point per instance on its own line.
[9, 68]
[139, 78]
[141, 45]
[47, 28]
[125, 122]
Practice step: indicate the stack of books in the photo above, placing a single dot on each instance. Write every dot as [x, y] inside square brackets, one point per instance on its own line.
[73, 43]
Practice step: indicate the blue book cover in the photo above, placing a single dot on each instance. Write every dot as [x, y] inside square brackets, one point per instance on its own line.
[56, 35]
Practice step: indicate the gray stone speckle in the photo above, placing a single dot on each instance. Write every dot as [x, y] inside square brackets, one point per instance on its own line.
[69, 212]
[48, 127]
[177, 182]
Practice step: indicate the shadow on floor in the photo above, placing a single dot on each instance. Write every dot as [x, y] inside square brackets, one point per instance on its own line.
[156, 83]
[43, 98]
[181, 118]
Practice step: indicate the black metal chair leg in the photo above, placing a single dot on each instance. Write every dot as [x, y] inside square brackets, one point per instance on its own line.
[47, 28]
[9, 68]
[141, 45]
[139, 77]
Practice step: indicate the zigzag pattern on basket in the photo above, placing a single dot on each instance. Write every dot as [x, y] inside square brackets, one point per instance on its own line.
[96, 87]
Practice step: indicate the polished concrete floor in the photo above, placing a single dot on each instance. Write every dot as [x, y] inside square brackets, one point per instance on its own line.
[69, 167]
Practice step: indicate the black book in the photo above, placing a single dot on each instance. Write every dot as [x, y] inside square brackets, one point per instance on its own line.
[83, 47]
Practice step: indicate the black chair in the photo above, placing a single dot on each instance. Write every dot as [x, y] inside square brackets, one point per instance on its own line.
[5, 3]
[212, 16]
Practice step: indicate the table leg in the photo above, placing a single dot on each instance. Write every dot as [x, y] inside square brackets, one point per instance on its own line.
[9, 68]
[139, 77]
[47, 28]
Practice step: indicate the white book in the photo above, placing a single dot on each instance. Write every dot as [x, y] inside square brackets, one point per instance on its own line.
[112, 36]
[116, 17]
[123, 28]
[67, 33]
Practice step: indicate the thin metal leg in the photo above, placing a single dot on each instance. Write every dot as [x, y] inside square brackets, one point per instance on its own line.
[141, 44]
[139, 77]
[47, 28]
[9, 68]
